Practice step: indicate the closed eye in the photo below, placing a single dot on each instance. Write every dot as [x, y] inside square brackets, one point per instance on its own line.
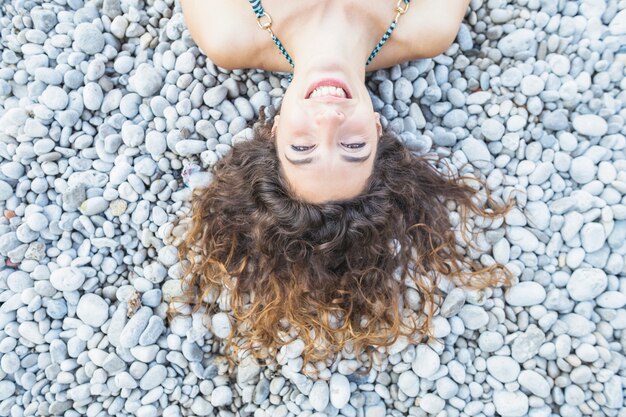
[303, 148]
[298, 148]
[353, 145]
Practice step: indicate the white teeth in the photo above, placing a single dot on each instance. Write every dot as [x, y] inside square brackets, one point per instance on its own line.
[327, 90]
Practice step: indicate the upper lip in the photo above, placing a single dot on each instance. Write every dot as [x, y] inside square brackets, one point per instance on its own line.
[333, 82]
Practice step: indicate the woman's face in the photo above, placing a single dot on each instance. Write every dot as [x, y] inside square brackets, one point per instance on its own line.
[326, 136]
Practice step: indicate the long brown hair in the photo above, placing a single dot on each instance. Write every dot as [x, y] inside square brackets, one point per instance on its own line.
[338, 272]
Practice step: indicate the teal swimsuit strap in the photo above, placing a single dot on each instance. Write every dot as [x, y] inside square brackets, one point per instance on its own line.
[260, 14]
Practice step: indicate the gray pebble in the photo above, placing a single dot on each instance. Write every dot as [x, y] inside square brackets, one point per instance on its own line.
[88, 38]
[92, 310]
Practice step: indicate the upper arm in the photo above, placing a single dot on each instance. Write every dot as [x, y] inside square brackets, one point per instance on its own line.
[425, 31]
[435, 26]
[219, 30]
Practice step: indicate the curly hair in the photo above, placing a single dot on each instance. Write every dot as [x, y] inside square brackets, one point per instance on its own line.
[338, 272]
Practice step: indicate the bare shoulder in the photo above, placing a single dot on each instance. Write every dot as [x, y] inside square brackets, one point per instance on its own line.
[426, 30]
[226, 31]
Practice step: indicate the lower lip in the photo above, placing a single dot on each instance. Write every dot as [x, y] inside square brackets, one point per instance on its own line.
[331, 82]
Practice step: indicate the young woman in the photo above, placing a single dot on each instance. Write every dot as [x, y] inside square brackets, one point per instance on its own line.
[324, 222]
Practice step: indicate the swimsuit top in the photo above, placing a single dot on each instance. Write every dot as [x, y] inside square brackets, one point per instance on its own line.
[401, 8]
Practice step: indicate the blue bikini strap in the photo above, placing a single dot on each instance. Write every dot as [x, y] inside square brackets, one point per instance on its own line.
[265, 22]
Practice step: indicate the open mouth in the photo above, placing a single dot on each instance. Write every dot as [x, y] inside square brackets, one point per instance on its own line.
[328, 87]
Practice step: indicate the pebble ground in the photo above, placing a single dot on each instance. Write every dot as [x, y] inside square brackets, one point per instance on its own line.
[107, 108]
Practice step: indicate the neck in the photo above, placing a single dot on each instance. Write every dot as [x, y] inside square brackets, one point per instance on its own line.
[327, 38]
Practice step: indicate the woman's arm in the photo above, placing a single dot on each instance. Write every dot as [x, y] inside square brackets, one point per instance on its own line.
[425, 31]
[226, 31]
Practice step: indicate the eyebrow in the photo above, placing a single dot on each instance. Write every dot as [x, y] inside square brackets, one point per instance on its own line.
[347, 158]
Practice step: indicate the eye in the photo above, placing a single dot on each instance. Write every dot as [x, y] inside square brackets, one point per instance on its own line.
[354, 145]
[301, 148]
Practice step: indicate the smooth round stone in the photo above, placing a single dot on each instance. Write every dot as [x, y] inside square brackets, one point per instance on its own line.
[294, 349]
[13, 170]
[155, 143]
[592, 237]
[55, 98]
[185, 63]
[92, 310]
[88, 38]
[67, 279]
[560, 64]
[455, 118]
[446, 388]
[574, 396]
[532, 85]
[409, 384]
[555, 120]
[490, 341]
[92, 96]
[515, 123]
[586, 284]
[590, 125]
[431, 403]
[7, 389]
[525, 294]
[426, 362]
[94, 205]
[37, 222]
[10, 362]
[587, 353]
[215, 95]
[43, 19]
[541, 173]
[492, 129]
[510, 404]
[153, 377]
[474, 317]
[523, 238]
[221, 396]
[534, 382]
[319, 395]
[503, 368]
[538, 214]
[453, 303]
[581, 375]
[520, 40]
[339, 391]
[6, 191]
[479, 97]
[511, 77]
[403, 89]
[477, 153]
[220, 325]
[611, 299]
[146, 81]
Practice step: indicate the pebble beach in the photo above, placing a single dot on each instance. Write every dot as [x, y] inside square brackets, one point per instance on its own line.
[110, 116]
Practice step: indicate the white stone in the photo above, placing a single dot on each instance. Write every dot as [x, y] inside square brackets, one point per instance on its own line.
[339, 391]
[319, 395]
[426, 362]
[586, 284]
[510, 404]
[220, 325]
[525, 294]
[503, 368]
[221, 396]
[409, 383]
[432, 404]
[590, 125]
[534, 382]
[67, 279]
[92, 310]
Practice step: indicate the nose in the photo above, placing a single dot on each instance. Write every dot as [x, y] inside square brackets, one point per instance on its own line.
[329, 115]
